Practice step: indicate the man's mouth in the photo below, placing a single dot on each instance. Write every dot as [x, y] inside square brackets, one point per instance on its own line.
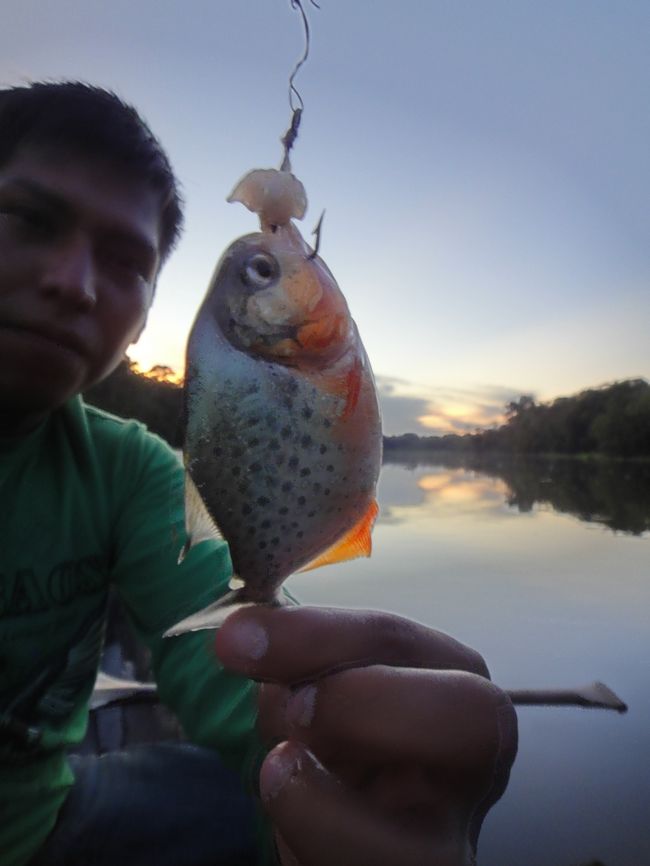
[61, 338]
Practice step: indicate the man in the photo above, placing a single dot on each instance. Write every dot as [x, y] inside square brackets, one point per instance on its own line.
[395, 744]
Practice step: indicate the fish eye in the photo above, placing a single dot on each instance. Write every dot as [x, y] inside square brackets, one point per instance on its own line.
[260, 270]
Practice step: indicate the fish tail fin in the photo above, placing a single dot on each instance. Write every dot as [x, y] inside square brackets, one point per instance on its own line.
[215, 614]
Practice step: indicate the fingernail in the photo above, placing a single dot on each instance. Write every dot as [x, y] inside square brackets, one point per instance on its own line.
[248, 640]
[301, 707]
[278, 769]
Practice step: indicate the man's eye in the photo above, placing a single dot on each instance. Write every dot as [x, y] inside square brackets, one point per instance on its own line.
[28, 218]
[125, 264]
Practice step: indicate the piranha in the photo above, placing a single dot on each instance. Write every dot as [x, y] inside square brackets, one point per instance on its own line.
[283, 433]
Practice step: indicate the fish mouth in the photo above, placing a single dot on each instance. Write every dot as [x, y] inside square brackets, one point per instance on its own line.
[250, 337]
[64, 339]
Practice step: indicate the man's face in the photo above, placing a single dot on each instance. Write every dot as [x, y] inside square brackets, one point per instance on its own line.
[79, 254]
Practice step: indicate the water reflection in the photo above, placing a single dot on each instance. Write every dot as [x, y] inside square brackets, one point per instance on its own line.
[613, 493]
[490, 553]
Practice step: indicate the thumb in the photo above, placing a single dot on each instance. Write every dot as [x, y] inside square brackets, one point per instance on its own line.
[321, 821]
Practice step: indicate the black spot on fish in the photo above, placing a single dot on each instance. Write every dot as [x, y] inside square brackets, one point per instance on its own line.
[253, 421]
[273, 445]
[327, 492]
[292, 387]
[301, 500]
[287, 486]
[307, 412]
[316, 487]
[255, 467]
[323, 449]
[254, 442]
[217, 451]
[288, 402]
[263, 500]
[306, 441]
[299, 534]
[246, 509]
[237, 451]
[252, 530]
[285, 432]
[265, 524]
[305, 472]
[261, 545]
[253, 388]
[236, 470]
[329, 467]
[293, 462]
[283, 510]
[311, 514]
[275, 541]
[327, 422]
[294, 524]
[243, 487]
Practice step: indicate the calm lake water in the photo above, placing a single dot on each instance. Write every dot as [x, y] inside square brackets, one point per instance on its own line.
[544, 567]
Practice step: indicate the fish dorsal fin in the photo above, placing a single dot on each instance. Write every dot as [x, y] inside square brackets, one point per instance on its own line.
[356, 542]
[198, 523]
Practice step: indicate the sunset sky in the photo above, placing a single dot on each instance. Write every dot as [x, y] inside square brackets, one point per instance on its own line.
[485, 168]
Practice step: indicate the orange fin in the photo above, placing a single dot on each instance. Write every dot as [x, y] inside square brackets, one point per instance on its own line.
[356, 542]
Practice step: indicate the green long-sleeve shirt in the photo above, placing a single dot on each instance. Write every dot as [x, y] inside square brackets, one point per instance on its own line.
[88, 501]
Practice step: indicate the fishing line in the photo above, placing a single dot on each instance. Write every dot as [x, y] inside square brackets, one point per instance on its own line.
[296, 102]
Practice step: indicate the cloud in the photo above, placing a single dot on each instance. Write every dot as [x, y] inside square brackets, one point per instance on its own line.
[408, 407]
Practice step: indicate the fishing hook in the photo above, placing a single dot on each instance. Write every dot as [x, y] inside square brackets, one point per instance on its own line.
[317, 231]
[294, 94]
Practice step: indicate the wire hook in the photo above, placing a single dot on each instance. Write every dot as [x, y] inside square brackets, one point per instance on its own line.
[317, 231]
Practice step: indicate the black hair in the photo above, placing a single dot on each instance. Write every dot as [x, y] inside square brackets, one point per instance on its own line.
[91, 121]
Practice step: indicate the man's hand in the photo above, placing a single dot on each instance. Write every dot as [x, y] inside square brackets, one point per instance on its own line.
[392, 743]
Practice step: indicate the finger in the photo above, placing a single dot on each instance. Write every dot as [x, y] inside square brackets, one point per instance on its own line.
[297, 644]
[380, 713]
[323, 822]
[272, 702]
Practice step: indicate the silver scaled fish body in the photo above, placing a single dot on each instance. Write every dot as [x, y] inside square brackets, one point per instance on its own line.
[283, 434]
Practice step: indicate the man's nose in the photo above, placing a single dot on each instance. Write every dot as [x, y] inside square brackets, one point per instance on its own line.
[69, 273]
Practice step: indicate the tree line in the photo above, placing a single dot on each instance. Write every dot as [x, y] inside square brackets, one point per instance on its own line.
[153, 399]
[612, 420]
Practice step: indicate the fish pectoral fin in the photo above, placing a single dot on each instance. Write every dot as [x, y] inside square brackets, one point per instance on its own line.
[199, 525]
[215, 614]
[356, 542]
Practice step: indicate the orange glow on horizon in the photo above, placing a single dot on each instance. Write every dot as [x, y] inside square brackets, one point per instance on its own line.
[159, 373]
[460, 418]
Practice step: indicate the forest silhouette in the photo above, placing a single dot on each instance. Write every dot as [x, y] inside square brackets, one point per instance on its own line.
[586, 455]
[611, 420]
